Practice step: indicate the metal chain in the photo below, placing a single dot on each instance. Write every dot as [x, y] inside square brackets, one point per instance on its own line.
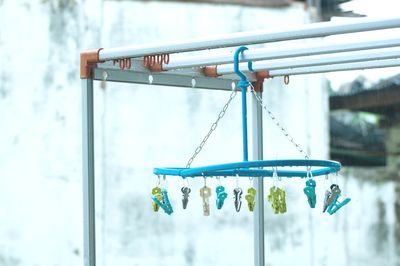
[275, 120]
[213, 127]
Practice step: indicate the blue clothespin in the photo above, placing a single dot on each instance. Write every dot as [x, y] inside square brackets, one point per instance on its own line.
[332, 204]
[309, 190]
[165, 205]
[221, 196]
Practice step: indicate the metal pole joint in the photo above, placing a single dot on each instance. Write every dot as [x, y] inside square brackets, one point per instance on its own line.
[89, 59]
[260, 77]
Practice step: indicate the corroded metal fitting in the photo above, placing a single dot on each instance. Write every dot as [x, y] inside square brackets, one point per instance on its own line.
[89, 59]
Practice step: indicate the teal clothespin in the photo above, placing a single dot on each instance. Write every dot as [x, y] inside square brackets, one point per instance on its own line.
[165, 205]
[221, 196]
[332, 204]
[309, 190]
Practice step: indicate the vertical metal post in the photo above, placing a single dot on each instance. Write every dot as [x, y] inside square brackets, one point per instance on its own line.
[259, 252]
[89, 229]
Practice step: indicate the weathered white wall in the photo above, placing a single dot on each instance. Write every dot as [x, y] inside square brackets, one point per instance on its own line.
[141, 127]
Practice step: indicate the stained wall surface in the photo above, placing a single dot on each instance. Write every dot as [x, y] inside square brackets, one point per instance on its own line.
[139, 127]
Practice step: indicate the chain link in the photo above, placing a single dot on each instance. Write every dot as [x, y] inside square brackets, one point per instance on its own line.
[221, 115]
[213, 127]
[276, 122]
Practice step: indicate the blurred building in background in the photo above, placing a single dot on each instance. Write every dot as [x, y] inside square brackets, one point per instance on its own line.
[363, 142]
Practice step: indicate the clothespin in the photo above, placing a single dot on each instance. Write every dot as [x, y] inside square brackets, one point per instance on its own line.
[237, 195]
[164, 204]
[277, 196]
[205, 194]
[282, 200]
[250, 197]
[221, 196]
[237, 192]
[309, 190]
[156, 192]
[185, 196]
[277, 199]
[331, 202]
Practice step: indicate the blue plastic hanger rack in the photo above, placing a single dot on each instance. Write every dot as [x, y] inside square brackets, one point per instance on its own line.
[252, 168]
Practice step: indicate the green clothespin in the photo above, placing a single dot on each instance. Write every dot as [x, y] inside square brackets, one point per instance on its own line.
[250, 197]
[273, 199]
[282, 200]
[277, 199]
[156, 192]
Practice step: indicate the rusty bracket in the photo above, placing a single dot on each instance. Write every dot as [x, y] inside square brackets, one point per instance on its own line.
[155, 67]
[210, 71]
[260, 76]
[89, 59]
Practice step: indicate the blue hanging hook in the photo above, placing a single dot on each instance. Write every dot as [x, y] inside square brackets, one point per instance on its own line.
[243, 82]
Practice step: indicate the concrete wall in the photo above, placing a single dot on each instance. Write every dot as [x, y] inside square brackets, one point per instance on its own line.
[141, 127]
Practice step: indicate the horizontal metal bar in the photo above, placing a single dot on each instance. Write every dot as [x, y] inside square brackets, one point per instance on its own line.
[318, 60]
[280, 52]
[336, 67]
[253, 37]
[137, 73]
[162, 79]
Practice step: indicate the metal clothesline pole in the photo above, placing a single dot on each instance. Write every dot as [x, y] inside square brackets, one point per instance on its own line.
[257, 138]
[89, 218]
[316, 60]
[196, 78]
[254, 37]
[280, 52]
[337, 67]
